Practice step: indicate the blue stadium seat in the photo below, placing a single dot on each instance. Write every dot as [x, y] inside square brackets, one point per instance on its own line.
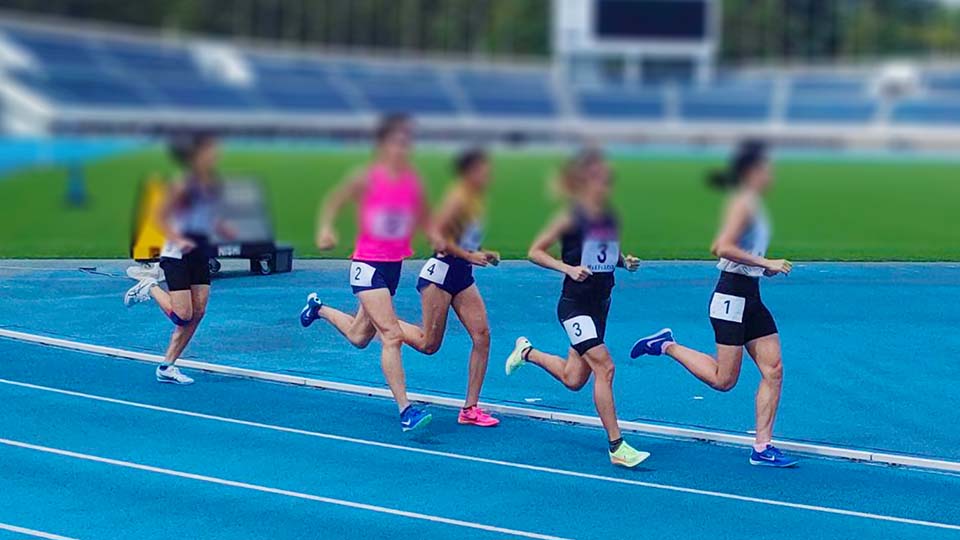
[293, 85]
[622, 104]
[851, 85]
[725, 104]
[387, 88]
[931, 111]
[508, 92]
[84, 89]
[830, 109]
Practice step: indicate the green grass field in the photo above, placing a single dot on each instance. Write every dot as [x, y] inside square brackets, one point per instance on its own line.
[822, 209]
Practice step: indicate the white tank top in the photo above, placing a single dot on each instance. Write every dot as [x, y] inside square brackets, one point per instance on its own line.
[755, 240]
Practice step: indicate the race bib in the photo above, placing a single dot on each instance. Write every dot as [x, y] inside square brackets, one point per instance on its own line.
[391, 224]
[171, 251]
[472, 237]
[435, 270]
[600, 255]
[361, 274]
[580, 329]
[727, 308]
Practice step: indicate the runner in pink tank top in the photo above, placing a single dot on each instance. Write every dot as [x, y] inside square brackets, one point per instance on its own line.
[390, 209]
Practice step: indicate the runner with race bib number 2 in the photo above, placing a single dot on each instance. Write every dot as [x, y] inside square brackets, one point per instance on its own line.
[588, 233]
[391, 208]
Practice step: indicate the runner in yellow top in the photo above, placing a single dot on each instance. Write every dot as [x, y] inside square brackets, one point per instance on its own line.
[446, 279]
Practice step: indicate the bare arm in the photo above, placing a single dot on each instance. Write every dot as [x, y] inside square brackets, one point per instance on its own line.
[346, 191]
[539, 251]
[725, 245]
[452, 206]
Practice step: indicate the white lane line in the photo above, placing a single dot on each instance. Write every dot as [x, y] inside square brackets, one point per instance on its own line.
[278, 491]
[488, 461]
[33, 533]
[638, 427]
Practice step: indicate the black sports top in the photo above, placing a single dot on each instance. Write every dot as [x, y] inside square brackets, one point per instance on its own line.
[595, 244]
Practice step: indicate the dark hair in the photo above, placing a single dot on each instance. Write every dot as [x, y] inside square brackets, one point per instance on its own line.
[185, 146]
[388, 124]
[749, 154]
[468, 159]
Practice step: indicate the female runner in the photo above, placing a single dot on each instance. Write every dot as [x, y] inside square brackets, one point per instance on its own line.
[590, 251]
[737, 312]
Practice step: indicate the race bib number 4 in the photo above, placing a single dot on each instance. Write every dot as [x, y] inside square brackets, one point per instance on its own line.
[435, 271]
[600, 255]
[389, 224]
[727, 308]
[361, 274]
[580, 329]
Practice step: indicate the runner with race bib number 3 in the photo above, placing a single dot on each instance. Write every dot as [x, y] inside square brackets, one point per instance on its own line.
[589, 242]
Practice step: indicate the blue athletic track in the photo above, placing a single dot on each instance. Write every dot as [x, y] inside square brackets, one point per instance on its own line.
[92, 447]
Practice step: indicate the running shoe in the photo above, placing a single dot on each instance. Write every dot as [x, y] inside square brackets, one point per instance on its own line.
[172, 375]
[515, 360]
[139, 293]
[477, 417]
[772, 457]
[628, 456]
[414, 418]
[144, 271]
[653, 344]
[310, 312]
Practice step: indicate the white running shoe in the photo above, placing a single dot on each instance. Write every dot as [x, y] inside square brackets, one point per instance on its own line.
[515, 360]
[172, 375]
[139, 293]
[144, 271]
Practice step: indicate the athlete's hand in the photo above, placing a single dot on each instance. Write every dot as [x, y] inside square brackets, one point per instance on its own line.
[477, 258]
[492, 257]
[777, 266]
[578, 273]
[185, 245]
[326, 239]
[631, 263]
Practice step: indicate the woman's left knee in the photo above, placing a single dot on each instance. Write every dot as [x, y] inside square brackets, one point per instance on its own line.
[773, 370]
[481, 337]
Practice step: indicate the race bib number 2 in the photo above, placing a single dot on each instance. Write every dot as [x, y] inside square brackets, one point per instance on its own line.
[361, 274]
[600, 255]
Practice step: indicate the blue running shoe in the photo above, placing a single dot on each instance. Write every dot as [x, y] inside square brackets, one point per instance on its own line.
[652, 345]
[309, 312]
[414, 418]
[772, 457]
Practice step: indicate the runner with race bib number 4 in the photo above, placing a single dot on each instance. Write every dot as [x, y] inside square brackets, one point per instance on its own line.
[588, 233]
[739, 317]
[446, 279]
[391, 208]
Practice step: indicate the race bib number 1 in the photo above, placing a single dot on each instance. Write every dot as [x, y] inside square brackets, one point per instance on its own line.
[727, 308]
[600, 255]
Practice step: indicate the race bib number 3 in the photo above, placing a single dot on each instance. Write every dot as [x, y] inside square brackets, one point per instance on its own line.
[580, 329]
[727, 308]
[390, 224]
[361, 274]
[435, 270]
[600, 255]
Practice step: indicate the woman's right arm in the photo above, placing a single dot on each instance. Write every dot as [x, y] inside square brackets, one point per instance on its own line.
[539, 251]
[725, 245]
[344, 192]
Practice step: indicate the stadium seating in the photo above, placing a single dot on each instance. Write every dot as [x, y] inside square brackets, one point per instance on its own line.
[104, 70]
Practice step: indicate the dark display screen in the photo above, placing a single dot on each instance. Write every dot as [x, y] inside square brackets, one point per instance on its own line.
[651, 19]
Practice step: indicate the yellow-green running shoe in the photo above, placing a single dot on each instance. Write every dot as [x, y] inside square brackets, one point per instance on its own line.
[515, 360]
[628, 456]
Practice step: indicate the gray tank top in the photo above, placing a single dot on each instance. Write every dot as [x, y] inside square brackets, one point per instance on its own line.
[755, 240]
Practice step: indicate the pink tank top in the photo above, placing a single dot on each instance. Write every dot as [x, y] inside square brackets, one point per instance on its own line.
[387, 215]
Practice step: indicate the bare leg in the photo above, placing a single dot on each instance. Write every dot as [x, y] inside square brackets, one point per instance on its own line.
[720, 374]
[378, 305]
[163, 299]
[435, 304]
[600, 362]
[572, 372]
[358, 329]
[473, 314]
[765, 352]
[188, 305]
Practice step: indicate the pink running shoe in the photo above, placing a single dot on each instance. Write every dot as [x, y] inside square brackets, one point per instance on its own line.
[477, 416]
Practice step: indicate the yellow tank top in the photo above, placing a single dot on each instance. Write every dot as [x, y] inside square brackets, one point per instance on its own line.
[467, 227]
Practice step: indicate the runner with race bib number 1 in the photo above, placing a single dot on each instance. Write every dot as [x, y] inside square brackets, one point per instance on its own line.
[589, 243]
[391, 207]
